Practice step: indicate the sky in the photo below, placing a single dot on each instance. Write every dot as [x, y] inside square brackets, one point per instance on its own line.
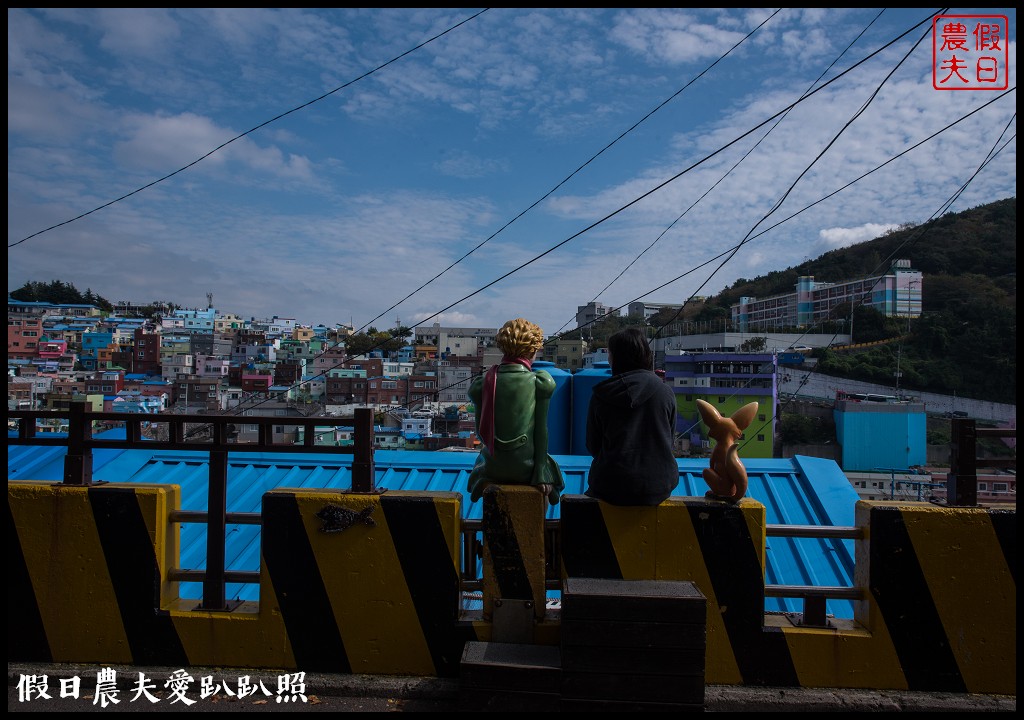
[378, 167]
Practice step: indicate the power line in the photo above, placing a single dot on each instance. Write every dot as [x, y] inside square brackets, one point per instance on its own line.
[568, 177]
[198, 160]
[807, 169]
[730, 170]
[914, 237]
[675, 177]
[818, 201]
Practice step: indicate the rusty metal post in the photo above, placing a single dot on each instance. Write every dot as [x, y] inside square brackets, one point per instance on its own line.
[214, 592]
[78, 461]
[363, 471]
[962, 480]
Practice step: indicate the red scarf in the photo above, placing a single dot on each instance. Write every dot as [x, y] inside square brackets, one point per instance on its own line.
[487, 400]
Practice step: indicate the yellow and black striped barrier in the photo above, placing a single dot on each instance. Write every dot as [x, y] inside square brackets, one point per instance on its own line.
[365, 583]
[942, 590]
[88, 573]
[369, 583]
[939, 611]
[381, 595]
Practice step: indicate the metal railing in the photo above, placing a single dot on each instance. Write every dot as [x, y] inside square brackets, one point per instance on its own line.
[813, 596]
[213, 434]
[208, 433]
[962, 480]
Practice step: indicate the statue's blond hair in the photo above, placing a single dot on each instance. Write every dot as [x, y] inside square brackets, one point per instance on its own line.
[520, 338]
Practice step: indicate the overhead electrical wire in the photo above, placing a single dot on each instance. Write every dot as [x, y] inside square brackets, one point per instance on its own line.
[750, 235]
[675, 177]
[822, 199]
[730, 170]
[661, 185]
[991, 156]
[909, 241]
[198, 160]
[807, 169]
[568, 177]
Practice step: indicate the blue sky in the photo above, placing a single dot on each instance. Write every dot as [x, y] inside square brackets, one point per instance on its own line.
[380, 198]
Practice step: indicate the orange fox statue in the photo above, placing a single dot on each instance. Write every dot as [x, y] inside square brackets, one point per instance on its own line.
[726, 476]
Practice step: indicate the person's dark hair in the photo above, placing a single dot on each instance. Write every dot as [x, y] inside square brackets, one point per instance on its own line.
[629, 350]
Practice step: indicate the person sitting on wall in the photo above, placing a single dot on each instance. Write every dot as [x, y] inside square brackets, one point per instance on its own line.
[511, 401]
[631, 428]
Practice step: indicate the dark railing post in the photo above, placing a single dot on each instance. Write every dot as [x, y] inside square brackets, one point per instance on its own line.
[214, 595]
[962, 480]
[78, 461]
[814, 614]
[363, 471]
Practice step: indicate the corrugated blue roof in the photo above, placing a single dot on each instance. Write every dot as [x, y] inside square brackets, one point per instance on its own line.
[795, 491]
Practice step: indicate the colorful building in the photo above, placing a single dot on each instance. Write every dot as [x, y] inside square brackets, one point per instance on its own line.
[728, 381]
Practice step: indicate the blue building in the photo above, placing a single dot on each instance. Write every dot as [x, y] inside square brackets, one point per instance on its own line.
[92, 343]
[886, 434]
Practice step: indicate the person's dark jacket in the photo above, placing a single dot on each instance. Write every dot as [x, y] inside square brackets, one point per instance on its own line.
[630, 431]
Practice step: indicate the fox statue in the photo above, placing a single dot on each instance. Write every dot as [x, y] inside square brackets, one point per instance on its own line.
[726, 476]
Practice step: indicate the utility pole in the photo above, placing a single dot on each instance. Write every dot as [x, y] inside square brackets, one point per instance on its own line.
[899, 355]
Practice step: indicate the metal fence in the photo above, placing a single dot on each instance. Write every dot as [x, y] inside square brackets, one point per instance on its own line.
[215, 435]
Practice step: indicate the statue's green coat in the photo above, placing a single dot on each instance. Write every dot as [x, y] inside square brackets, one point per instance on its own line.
[520, 454]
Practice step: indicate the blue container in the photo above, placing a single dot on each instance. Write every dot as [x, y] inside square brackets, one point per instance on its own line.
[560, 411]
[583, 383]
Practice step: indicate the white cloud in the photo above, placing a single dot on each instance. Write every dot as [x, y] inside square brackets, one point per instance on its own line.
[465, 165]
[164, 143]
[670, 35]
[839, 237]
[341, 209]
[137, 31]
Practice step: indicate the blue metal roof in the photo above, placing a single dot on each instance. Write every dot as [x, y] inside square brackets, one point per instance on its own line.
[795, 491]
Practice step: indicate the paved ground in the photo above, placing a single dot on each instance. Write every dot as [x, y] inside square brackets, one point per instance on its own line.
[374, 693]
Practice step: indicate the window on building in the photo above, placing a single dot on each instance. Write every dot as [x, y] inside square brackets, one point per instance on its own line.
[1000, 487]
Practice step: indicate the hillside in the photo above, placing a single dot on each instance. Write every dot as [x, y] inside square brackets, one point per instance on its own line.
[965, 340]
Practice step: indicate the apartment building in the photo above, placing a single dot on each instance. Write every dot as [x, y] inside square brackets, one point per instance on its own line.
[895, 294]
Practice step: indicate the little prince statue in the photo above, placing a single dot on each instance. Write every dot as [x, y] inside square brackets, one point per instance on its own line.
[511, 401]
